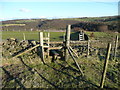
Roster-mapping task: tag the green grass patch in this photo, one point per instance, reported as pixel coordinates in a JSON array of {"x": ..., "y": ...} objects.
[
  {"x": 31, "y": 35},
  {"x": 13, "y": 25},
  {"x": 54, "y": 36}
]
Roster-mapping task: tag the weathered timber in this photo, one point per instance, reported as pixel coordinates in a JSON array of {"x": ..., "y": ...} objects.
[
  {"x": 78, "y": 42},
  {"x": 72, "y": 42},
  {"x": 54, "y": 48},
  {"x": 46, "y": 38},
  {"x": 41, "y": 46},
  {"x": 105, "y": 65},
  {"x": 48, "y": 43},
  {"x": 75, "y": 61},
  {"x": 67, "y": 41},
  {"x": 88, "y": 47},
  {"x": 19, "y": 54},
  {"x": 73, "y": 51},
  {"x": 64, "y": 37},
  {"x": 60, "y": 42}
]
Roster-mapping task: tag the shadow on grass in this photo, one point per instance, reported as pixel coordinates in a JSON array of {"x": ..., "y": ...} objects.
[
  {"x": 11, "y": 77},
  {"x": 32, "y": 72},
  {"x": 78, "y": 78}
]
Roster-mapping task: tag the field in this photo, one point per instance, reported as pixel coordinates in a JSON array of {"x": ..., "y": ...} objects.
[
  {"x": 54, "y": 36},
  {"x": 27, "y": 71}
]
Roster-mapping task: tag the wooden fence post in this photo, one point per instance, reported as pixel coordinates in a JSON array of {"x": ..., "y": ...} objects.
[
  {"x": 67, "y": 41},
  {"x": 48, "y": 44},
  {"x": 41, "y": 46},
  {"x": 105, "y": 65},
  {"x": 88, "y": 47},
  {"x": 24, "y": 36},
  {"x": 116, "y": 45},
  {"x": 63, "y": 37}
]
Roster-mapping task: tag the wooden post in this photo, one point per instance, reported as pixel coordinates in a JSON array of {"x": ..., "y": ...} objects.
[
  {"x": 41, "y": 46},
  {"x": 83, "y": 35},
  {"x": 88, "y": 47},
  {"x": 67, "y": 41},
  {"x": 73, "y": 51},
  {"x": 48, "y": 38},
  {"x": 23, "y": 36},
  {"x": 105, "y": 65},
  {"x": 75, "y": 61},
  {"x": 48, "y": 43},
  {"x": 116, "y": 45},
  {"x": 64, "y": 38}
]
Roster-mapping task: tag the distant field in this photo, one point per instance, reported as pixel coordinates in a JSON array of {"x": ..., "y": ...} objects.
[
  {"x": 31, "y": 35},
  {"x": 54, "y": 36},
  {"x": 13, "y": 25}
]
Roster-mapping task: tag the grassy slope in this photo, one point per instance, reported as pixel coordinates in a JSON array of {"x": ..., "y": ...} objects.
[
  {"x": 54, "y": 36},
  {"x": 30, "y": 35},
  {"x": 31, "y": 73},
  {"x": 54, "y": 24},
  {"x": 60, "y": 74}
]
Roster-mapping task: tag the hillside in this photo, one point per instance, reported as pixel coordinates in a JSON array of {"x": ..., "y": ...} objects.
[
  {"x": 60, "y": 24},
  {"x": 28, "y": 71}
]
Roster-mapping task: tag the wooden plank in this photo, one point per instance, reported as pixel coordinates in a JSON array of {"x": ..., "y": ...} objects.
[
  {"x": 46, "y": 38},
  {"x": 73, "y": 51},
  {"x": 56, "y": 42},
  {"x": 78, "y": 42},
  {"x": 64, "y": 37},
  {"x": 75, "y": 62},
  {"x": 72, "y": 42},
  {"x": 54, "y": 48},
  {"x": 105, "y": 65},
  {"x": 19, "y": 54}
]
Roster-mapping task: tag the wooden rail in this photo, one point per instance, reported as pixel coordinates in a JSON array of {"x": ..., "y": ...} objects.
[{"x": 19, "y": 54}]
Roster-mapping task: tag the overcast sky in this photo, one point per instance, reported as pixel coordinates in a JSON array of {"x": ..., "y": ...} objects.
[{"x": 21, "y": 9}]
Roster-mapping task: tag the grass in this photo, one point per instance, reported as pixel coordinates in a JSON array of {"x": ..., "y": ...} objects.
[
  {"x": 23, "y": 21},
  {"x": 86, "y": 19},
  {"x": 33, "y": 74},
  {"x": 54, "y": 36},
  {"x": 60, "y": 74},
  {"x": 103, "y": 37},
  {"x": 30, "y": 35},
  {"x": 13, "y": 25}
]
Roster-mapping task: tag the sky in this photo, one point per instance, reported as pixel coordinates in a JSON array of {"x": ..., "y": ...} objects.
[{"x": 11, "y": 9}]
